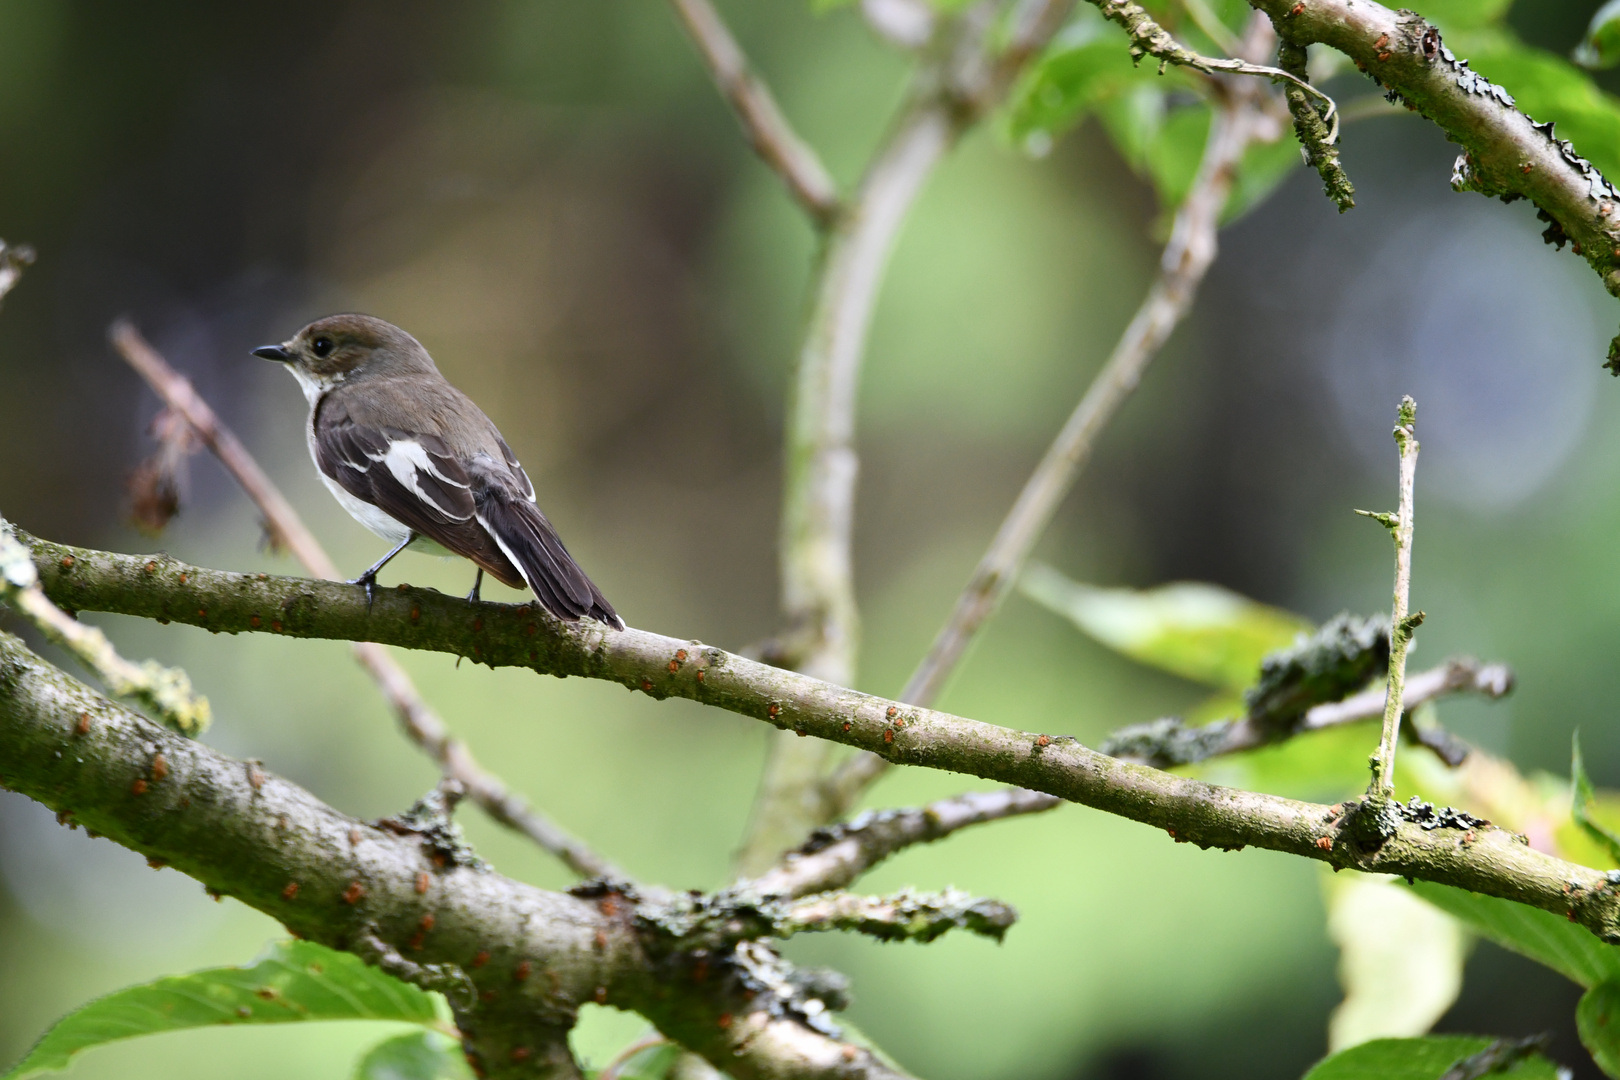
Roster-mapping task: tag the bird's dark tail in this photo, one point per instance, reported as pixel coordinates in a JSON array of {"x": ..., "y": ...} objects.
[{"x": 533, "y": 546}]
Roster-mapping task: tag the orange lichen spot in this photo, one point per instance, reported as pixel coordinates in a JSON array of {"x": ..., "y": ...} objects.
[
  {"x": 850, "y": 1053},
  {"x": 423, "y": 880},
  {"x": 255, "y": 775},
  {"x": 481, "y": 959},
  {"x": 290, "y": 891},
  {"x": 182, "y": 579},
  {"x": 67, "y": 562},
  {"x": 600, "y": 940},
  {"x": 353, "y": 893},
  {"x": 888, "y": 736},
  {"x": 700, "y": 674},
  {"x": 609, "y": 906},
  {"x": 1383, "y": 39},
  {"x": 160, "y": 767},
  {"x": 83, "y": 726},
  {"x": 416, "y": 612},
  {"x": 426, "y": 923},
  {"x": 772, "y": 711},
  {"x": 275, "y": 624},
  {"x": 253, "y": 621},
  {"x": 1297, "y": 8},
  {"x": 1044, "y": 740},
  {"x": 520, "y": 1053},
  {"x": 674, "y": 665},
  {"x": 848, "y": 725},
  {"x": 521, "y": 972},
  {"x": 893, "y": 711},
  {"x": 725, "y": 1020},
  {"x": 354, "y": 837},
  {"x": 646, "y": 684},
  {"x": 151, "y": 567},
  {"x": 202, "y": 613},
  {"x": 138, "y": 787},
  {"x": 1325, "y": 843},
  {"x": 680, "y": 654},
  {"x": 1383, "y": 57}
]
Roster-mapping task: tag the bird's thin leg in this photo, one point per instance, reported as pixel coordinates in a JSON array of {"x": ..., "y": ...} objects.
[
  {"x": 478, "y": 583},
  {"x": 369, "y": 578}
]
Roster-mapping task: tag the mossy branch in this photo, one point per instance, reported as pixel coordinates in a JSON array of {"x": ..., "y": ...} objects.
[{"x": 1485, "y": 859}]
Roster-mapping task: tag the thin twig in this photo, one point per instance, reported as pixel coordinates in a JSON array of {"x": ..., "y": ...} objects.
[
  {"x": 834, "y": 857},
  {"x": 1400, "y": 526},
  {"x": 1242, "y": 118},
  {"x": 768, "y": 131},
  {"x": 420, "y": 723}
]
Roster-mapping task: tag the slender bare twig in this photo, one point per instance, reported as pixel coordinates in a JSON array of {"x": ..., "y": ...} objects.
[
  {"x": 948, "y": 93},
  {"x": 1244, "y": 116},
  {"x": 420, "y": 723},
  {"x": 1400, "y": 526},
  {"x": 833, "y": 857},
  {"x": 164, "y": 690},
  {"x": 768, "y": 131}
]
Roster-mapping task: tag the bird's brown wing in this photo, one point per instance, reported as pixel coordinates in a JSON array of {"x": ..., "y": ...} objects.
[{"x": 413, "y": 477}]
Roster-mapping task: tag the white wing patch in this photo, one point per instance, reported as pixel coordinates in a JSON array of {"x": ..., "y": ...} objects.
[{"x": 405, "y": 458}]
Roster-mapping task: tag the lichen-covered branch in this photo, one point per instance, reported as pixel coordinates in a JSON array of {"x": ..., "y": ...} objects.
[
  {"x": 417, "y": 719},
  {"x": 1311, "y": 127},
  {"x": 1483, "y": 858},
  {"x": 1170, "y": 742},
  {"x": 768, "y": 131},
  {"x": 1505, "y": 152},
  {"x": 836, "y": 855},
  {"x": 394, "y": 894},
  {"x": 1241, "y": 119},
  {"x": 951, "y": 90},
  {"x": 164, "y": 690}
]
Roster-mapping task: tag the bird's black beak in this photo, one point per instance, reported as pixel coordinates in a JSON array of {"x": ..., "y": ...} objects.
[{"x": 273, "y": 352}]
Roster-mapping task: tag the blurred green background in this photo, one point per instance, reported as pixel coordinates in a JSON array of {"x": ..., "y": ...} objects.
[{"x": 553, "y": 198}]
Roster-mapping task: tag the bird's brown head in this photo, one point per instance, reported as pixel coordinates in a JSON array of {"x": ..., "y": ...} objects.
[{"x": 331, "y": 350}]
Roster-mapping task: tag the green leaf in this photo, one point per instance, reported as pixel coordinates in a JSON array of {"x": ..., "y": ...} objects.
[
  {"x": 1087, "y": 62},
  {"x": 1597, "y": 1018},
  {"x": 415, "y": 1055},
  {"x": 1583, "y": 798},
  {"x": 1568, "y": 948},
  {"x": 650, "y": 1063},
  {"x": 1428, "y": 1058},
  {"x": 1400, "y": 960},
  {"x": 1600, "y": 48},
  {"x": 293, "y": 981},
  {"x": 1456, "y": 15},
  {"x": 1201, "y": 632}
]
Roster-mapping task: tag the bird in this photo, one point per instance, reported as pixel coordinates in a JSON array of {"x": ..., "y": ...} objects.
[{"x": 411, "y": 458}]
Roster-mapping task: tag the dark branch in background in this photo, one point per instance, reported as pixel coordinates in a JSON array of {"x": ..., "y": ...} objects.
[
  {"x": 419, "y": 722},
  {"x": 1241, "y": 119},
  {"x": 962, "y": 77},
  {"x": 399, "y": 899},
  {"x": 1311, "y": 127},
  {"x": 1481, "y": 857},
  {"x": 768, "y": 131},
  {"x": 1505, "y": 153}
]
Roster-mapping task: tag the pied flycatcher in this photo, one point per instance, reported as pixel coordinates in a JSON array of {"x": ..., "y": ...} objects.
[{"x": 411, "y": 458}]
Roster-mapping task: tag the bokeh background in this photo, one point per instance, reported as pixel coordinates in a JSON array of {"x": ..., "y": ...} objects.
[{"x": 553, "y": 198}]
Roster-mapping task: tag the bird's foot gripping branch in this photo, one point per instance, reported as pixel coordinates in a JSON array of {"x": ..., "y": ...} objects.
[{"x": 1483, "y": 858}]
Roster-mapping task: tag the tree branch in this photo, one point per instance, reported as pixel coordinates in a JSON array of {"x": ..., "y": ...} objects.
[
  {"x": 1242, "y": 118},
  {"x": 835, "y": 856},
  {"x": 419, "y": 722},
  {"x": 1484, "y": 859},
  {"x": 768, "y": 131},
  {"x": 531, "y": 956},
  {"x": 1505, "y": 152},
  {"x": 948, "y": 94}
]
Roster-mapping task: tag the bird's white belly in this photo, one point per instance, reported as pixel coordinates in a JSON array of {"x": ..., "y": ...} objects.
[{"x": 374, "y": 519}]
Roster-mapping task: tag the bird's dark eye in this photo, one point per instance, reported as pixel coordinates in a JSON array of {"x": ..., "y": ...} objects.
[{"x": 322, "y": 346}]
